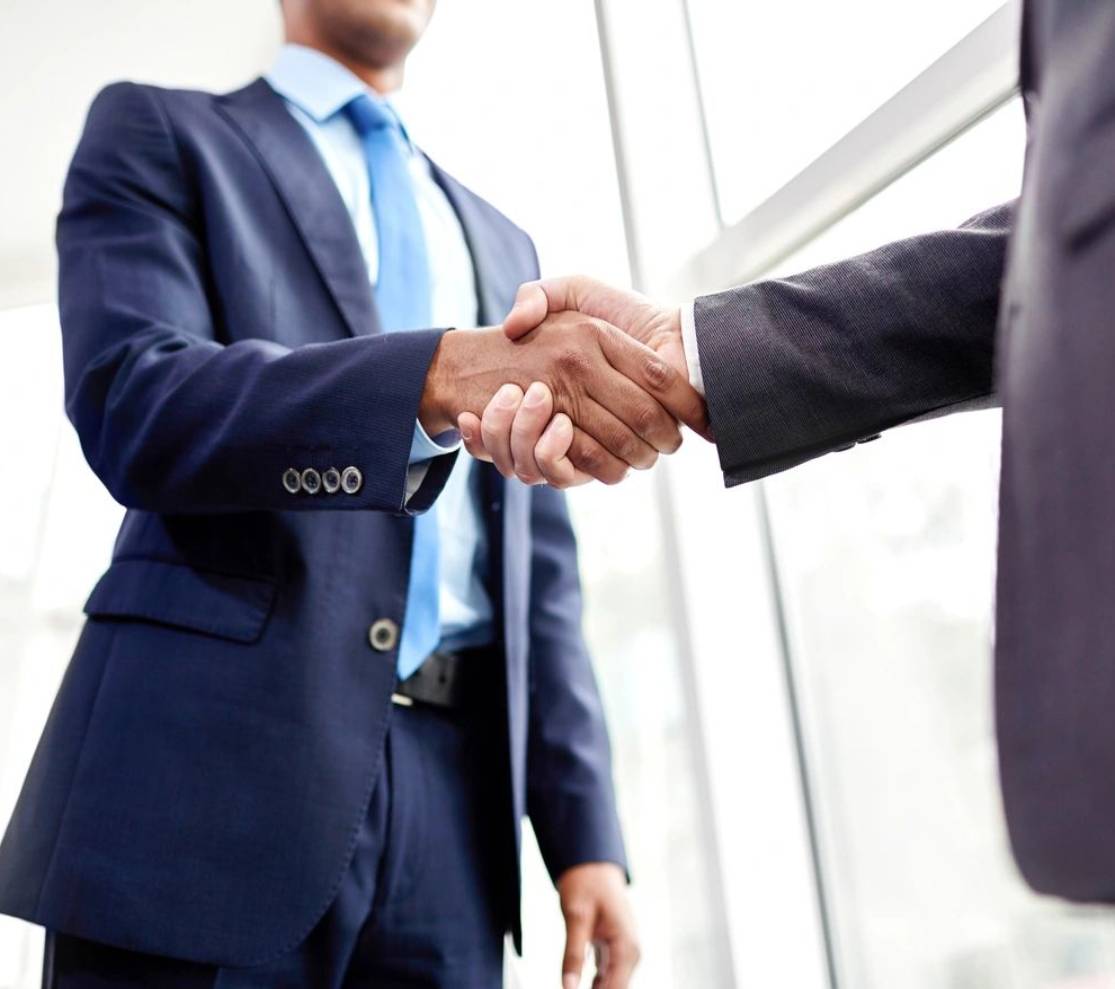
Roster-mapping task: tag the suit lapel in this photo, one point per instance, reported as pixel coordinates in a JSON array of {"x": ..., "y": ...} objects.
[{"x": 310, "y": 196}]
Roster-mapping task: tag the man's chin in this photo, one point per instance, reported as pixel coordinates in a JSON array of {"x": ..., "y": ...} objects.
[{"x": 387, "y": 41}]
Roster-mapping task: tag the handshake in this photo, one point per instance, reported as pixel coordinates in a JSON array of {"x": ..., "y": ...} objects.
[{"x": 582, "y": 381}]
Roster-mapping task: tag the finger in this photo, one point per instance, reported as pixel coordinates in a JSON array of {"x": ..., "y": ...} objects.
[
  {"x": 536, "y": 300},
  {"x": 612, "y": 432},
  {"x": 468, "y": 425},
  {"x": 589, "y": 457},
  {"x": 641, "y": 413},
  {"x": 578, "y": 930},
  {"x": 551, "y": 454},
  {"x": 526, "y": 431},
  {"x": 600, "y": 957},
  {"x": 618, "y": 957},
  {"x": 495, "y": 427},
  {"x": 530, "y": 308},
  {"x": 656, "y": 376}
]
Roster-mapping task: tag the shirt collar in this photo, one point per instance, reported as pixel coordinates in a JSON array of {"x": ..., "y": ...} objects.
[{"x": 318, "y": 85}]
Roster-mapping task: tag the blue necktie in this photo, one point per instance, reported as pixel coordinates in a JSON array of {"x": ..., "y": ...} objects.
[{"x": 403, "y": 300}]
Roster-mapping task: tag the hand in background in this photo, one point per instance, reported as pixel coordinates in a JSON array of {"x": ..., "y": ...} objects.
[
  {"x": 522, "y": 436},
  {"x": 596, "y": 910}
]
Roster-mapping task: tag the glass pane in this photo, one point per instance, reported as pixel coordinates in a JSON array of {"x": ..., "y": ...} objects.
[
  {"x": 55, "y": 538},
  {"x": 784, "y": 81},
  {"x": 887, "y": 560}
]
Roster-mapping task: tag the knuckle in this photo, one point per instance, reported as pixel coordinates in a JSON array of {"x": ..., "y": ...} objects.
[
  {"x": 624, "y": 445},
  {"x": 572, "y": 362},
  {"x": 657, "y": 373},
  {"x": 589, "y": 458},
  {"x": 492, "y": 437},
  {"x": 647, "y": 419},
  {"x": 588, "y": 326}
]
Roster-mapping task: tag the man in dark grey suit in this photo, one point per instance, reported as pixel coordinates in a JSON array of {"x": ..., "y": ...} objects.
[{"x": 1015, "y": 308}]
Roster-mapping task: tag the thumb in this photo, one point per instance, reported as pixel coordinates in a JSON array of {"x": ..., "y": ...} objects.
[
  {"x": 578, "y": 931},
  {"x": 530, "y": 308}
]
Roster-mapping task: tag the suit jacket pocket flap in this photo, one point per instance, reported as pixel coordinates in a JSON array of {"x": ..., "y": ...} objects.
[{"x": 174, "y": 594}]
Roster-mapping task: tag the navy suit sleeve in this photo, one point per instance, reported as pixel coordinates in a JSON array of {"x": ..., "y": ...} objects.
[
  {"x": 171, "y": 419},
  {"x": 796, "y": 367},
  {"x": 570, "y": 796}
]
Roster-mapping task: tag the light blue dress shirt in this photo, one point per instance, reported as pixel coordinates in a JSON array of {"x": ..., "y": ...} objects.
[{"x": 315, "y": 88}]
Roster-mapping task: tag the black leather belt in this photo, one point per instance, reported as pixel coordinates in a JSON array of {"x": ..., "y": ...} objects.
[{"x": 444, "y": 680}]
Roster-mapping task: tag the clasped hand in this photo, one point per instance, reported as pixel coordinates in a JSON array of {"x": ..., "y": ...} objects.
[{"x": 593, "y": 383}]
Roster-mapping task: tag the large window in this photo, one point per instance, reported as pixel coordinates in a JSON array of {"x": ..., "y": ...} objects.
[
  {"x": 839, "y": 616},
  {"x": 886, "y": 560},
  {"x": 784, "y": 81}
]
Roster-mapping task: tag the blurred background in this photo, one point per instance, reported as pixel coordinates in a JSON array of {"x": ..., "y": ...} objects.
[{"x": 797, "y": 672}]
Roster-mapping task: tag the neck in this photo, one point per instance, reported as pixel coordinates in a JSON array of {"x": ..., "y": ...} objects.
[{"x": 383, "y": 79}]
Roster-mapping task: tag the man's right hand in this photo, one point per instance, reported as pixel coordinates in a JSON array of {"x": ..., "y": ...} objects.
[
  {"x": 622, "y": 401},
  {"x": 521, "y": 434}
]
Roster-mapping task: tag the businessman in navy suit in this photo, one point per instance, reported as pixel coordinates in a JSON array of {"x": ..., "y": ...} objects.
[{"x": 332, "y": 665}]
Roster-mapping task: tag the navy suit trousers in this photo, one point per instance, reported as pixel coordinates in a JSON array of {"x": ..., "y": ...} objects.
[{"x": 423, "y": 901}]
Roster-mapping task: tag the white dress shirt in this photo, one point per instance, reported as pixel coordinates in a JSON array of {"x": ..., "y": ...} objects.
[
  {"x": 689, "y": 345},
  {"x": 315, "y": 88}
]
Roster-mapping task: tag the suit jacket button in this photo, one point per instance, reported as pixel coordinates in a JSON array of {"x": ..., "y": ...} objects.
[
  {"x": 331, "y": 480},
  {"x": 311, "y": 481},
  {"x": 292, "y": 480},
  {"x": 383, "y": 635},
  {"x": 351, "y": 480}
]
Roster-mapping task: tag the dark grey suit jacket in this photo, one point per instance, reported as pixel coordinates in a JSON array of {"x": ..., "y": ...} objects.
[{"x": 1016, "y": 306}]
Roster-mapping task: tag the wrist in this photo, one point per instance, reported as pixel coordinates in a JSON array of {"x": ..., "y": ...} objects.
[
  {"x": 590, "y": 871},
  {"x": 453, "y": 377},
  {"x": 435, "y": 406}
]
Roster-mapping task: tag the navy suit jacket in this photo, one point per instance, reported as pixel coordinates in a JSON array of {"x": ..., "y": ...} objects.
[
  {"x": 199, "y": 783},
  {"x": 1014, "y": 307}
]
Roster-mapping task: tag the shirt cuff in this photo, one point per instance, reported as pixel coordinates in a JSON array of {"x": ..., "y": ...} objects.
[
  {"x": 422, "y": 448},
  {"x": 689, "y": 345}
]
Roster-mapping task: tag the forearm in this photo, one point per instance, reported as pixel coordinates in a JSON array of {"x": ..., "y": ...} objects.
[
  {"x": 570, "y": 798},
  {"x": 177, "y": 424},
  {"x": 793, "y": 368}
]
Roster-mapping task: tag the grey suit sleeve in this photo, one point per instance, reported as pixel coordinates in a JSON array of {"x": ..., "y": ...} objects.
[{"x": 797, "y": 367}]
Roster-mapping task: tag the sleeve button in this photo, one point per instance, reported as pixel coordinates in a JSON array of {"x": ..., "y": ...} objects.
[
  {"x": 351, "y": 480},
  {"x": 311, "y": 481},
  {"x": 292, "y": 480},
  {"x": 331, "y": 480}
]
